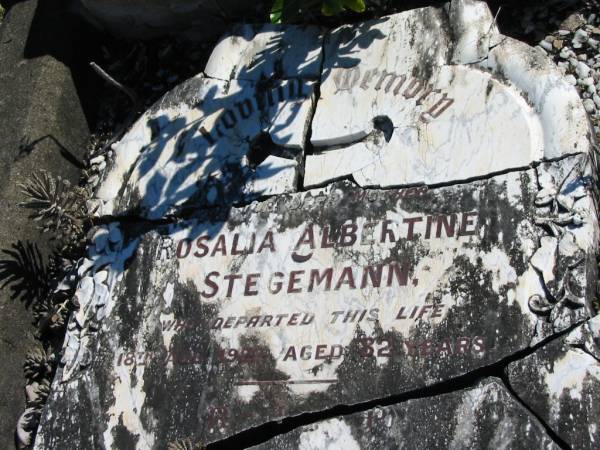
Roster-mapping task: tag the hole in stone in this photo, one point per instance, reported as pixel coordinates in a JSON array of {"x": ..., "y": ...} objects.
[
  {"x": 385, "y": 125},
  {"x": 260, "y": 148}
]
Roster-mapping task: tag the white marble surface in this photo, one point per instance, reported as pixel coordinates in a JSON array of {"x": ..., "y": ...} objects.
[
  {"x": 254, "y": 52},
  {"x": 469, "y": 139},
  {"x": 180, "y": 149},
  {"x": 464, "y": 102}
]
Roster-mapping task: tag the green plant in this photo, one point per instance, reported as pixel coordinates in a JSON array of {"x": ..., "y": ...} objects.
[
  {"x": 1, "y": 13},
  {"x": 289, "y": 11}
]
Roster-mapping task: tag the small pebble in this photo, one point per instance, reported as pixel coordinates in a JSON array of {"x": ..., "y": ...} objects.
[
  {"x": 581, "y": 36},
  {"x": 596, "y": 99},
  {"x": 589, "y": 105},
  {"x": 582, "y": 70},
  {"x": 96, "y": 160},
  {"x": 582, "y": 57},
  {"x": 546, "y": 45},
  {"x": 558, "y": 44},
  {"x": 571, "y": 79},
  {"x": 564, "y": 32},
  {"x": 589, "y": 81},
  {"x": 93, "y": 180}
]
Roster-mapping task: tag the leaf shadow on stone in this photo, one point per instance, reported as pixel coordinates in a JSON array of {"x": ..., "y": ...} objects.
[
  {"x": 174, "y": 403},
  {"x": 249, "y": 125},
  {"x": 25, "y": 272}
]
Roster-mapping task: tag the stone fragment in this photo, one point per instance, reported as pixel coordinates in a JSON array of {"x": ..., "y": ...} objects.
[
  {"x": 560, "y": 382},
  {"x": 337, "y": 295},
  {"x": 558, "y": 44},
  {"x": 546, "y": 45},
  {"x": 209, "y": 134},
  {"x": 437, "y": 88},
  {"x": 485, "y": 416},
  {"x": 582, "y": 70},
  {"x": 544, "y": 260},
  {"x": 589, "y": 105},
  {"x": 225, "y": 315},
  {"x": 253, "y": 53}
]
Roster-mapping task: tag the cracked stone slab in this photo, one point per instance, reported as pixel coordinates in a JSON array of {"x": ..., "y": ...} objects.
[
  {"x": 302, "y": 302},
  {"x": 194, "y": 147},
  {"x": 485, "y": 416},
  {"x": 438, "y": 95},
  {"x": 231, "y": 138},
  {"x": 560, "y": 382}
]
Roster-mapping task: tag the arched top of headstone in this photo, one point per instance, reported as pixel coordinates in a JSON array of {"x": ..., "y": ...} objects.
[{"x": 426, "y": 97}]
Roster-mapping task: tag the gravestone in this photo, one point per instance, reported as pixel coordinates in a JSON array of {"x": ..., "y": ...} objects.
[
  {"x": 334, "y": 218},
  {"x": 484, "y": 416}
]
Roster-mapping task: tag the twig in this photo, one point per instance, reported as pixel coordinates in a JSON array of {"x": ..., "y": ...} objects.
[{"x": 129, "y": 92}]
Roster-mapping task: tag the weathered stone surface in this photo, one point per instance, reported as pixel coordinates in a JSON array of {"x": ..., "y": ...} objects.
[
  {"x": 43, "y": 127},
  {"x": 438, "y": 97},
  {"x": 243, "y": 313},
  {"x": 231, "y": 138},
  {"x": 300, "y": 303},
  {"x": 186, "y": 152},
  {"x": 485, "y": 416},
  {"x": 561, "y": 383}
]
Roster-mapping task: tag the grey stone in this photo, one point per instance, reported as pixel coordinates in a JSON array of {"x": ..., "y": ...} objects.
[
  {"x": 589, "y": 105},
  {"x": 571, "y": 80},
  {"x": 573, "y": 22},
  {"x": 582, "y": 69},
  {"x": 581, "y": 36},
  {"x": 197, "y": 19},
  {"x": 561, "y": 383},
  {"x": 43, "y": 127},
  {"x": 546, "y": 45},
  {"x": 485, "y": 416}
]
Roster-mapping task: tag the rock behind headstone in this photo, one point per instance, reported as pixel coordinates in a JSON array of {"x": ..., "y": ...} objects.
[
  {"x": 43, "y": 127},
  {"x": 143, "y": 19}
]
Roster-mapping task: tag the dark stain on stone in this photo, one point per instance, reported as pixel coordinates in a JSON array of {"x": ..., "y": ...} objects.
[{"x": 122, "y": 437}]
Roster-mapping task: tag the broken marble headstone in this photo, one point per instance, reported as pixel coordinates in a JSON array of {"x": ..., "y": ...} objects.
[
  {"x": 561, "y": 384},
  {"x": 463, "y": 233},
  {"x": 485, "y": 416}
]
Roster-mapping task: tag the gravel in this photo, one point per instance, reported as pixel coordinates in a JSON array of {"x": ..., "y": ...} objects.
[{"x": 574, "y": 48}]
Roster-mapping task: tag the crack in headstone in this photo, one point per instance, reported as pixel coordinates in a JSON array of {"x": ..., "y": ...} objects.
[
  {"x": 193, "y": 212},
  {"x": 549, "y": 430},
  {"x": 263, "y": 433}
]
